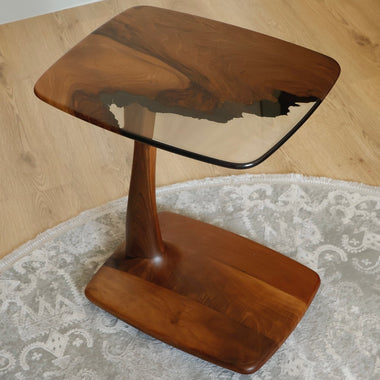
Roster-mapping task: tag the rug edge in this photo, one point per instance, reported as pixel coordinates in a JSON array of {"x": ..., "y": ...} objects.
[{"x": 95, "y": 212}]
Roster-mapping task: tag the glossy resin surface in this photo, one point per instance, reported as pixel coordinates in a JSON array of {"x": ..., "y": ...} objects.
[{"x": 221, "y": 93}]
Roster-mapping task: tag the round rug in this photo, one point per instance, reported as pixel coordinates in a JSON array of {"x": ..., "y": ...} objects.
[{"x": 49, "y": 330}]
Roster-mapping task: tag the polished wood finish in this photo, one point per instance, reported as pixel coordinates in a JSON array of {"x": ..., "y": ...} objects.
[
  {"x": 51, "y": 163},
  {"x": 172, "y": 62},
  {"x": 197, "y": 287},
  {"x": 143, "y": 233},
  {"x": 205, "y": 277},
  {"x": 212, "y": 293}
]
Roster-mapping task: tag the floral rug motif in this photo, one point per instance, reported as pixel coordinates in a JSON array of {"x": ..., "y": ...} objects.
[{"x": 49, "y": 330}]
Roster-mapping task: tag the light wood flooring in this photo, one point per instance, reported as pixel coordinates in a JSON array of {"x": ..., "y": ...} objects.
[{"x": 53, "y": 166}]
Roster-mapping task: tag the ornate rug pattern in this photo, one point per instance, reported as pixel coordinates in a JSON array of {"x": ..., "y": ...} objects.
[{"x": 49, "y": 330}]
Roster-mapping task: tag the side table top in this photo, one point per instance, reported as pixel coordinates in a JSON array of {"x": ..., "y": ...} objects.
[{"x": 221, "y": 93}]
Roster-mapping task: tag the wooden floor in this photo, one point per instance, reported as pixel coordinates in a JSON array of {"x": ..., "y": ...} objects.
[{"x": 53, "y": 166}]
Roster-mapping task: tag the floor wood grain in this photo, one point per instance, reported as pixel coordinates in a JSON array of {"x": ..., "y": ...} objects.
[{"x": 53, "y": 166}]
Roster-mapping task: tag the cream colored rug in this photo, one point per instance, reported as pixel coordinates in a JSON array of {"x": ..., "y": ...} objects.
[{"x": 48, "y": 329}]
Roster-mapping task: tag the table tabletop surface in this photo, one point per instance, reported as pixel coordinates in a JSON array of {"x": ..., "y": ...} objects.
[{"x": 220, "y": 93}]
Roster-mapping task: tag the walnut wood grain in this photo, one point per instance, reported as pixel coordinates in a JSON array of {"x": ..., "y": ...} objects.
[
  {"x": 142, "y": 230},
  {"x": 202, "y": 289},
  {"x": 197, "y": 287},
  {"x": 171, "y": 62},
  {"x": 143, "y": 233},
  {"x": 212, "y": 293}
]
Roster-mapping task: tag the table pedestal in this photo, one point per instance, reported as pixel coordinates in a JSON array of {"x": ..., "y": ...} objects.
[
  {"x": 204, "y": 290},
  {"x": 197, "y": 287}
]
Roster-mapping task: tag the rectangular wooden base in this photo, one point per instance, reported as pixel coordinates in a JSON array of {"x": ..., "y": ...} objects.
[{"x": 212, "y": 293}]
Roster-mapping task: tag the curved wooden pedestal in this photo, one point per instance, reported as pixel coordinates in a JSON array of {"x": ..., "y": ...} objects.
[
  {"x": 204, "y": 290},
  {"x": 213, "y": 294},
  {"x": 197, "y": 287}
]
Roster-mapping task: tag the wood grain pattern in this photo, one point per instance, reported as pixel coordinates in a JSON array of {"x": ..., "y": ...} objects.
[
  {"x": 143, "y": 233},
  {"x": 212, "y": 293},
  {"x": 204, "y": 290},
  {"x": 172, "y": 62}
]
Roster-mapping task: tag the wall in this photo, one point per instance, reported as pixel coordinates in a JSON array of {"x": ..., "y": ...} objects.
[{"x": 12, "y": 10}]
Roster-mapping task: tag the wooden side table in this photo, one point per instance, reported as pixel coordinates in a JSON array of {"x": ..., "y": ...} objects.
[{"x": 213, "y": 92}]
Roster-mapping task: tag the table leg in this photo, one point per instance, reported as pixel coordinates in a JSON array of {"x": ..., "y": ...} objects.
[
  {"x": 202, "y": 289},
  {"x": 143, "y": 235}
]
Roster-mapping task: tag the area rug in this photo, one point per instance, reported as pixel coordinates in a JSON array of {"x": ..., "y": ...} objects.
[{"x": 48, "y": 329}]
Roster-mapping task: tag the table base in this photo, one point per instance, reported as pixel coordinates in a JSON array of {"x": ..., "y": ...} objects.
[{"x": 212, "y": 293}]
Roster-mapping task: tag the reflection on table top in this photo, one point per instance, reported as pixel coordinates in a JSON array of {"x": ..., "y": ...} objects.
[{"x": 220, "y": 93}]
